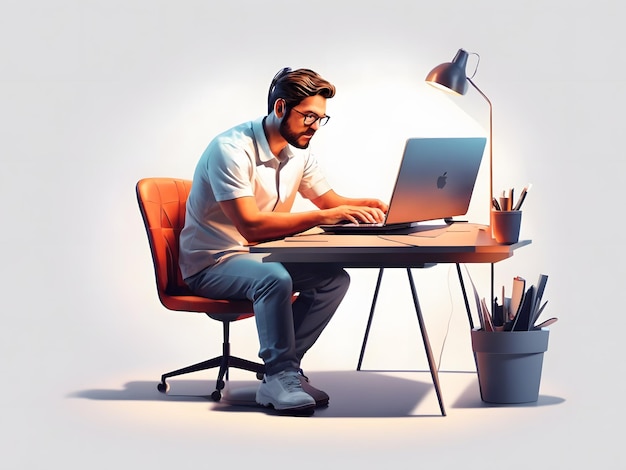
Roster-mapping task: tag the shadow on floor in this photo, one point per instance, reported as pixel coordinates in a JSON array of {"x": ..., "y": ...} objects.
[
  {"x": 353, "y": 394},
  {"x": 470, "y": 398}
]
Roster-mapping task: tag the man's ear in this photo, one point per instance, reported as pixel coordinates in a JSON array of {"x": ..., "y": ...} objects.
[{"x": 280, "y": 107}]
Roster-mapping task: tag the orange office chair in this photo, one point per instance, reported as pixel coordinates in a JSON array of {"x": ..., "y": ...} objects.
[{"x": 162, "y": 204}]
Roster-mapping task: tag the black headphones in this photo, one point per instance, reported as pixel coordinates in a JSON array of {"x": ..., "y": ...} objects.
[{"x": 281, "y": 73}]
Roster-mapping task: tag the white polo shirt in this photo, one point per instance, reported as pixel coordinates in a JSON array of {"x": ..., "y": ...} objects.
[{"x": 235, "y": 164}]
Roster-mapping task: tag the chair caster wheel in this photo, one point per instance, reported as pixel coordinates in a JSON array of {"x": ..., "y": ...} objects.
[
  {"x": 220, "y": 385},
  {"x": 260, "y": 375},
  {"x": 163, "y": 387},
  {"x": 216, "y": 395}
]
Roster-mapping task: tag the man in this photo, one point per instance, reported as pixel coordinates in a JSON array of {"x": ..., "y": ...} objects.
[{"x": 243, "y": 190}]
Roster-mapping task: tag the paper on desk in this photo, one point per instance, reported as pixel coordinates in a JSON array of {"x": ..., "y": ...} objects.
[
  {"x": 313, "y": 237},
  {"x": 430, "y": 231},
  {"x": 461, "y": 227}
]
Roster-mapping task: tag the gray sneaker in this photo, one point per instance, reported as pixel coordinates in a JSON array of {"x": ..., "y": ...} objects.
[{"x": 283, "y": 391}]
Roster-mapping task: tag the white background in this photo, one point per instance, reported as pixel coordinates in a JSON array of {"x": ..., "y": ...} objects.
[{"x": 96, "y": 94}]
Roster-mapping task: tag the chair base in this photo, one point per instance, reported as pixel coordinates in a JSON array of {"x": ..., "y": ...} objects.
[{"x": 223, "y": 362}]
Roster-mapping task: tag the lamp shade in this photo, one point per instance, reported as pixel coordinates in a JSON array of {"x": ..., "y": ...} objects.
[{"x": 451, "y": 75}]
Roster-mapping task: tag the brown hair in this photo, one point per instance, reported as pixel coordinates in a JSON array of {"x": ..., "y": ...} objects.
[{"x": 295, "y": 85}]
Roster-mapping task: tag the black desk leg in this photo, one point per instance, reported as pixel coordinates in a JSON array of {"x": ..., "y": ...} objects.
[
  {"x": 431, "y": 362},
  {"x": 429, "y": 353},
  {"x": 369, "y": 320},
  {"x": 467, "y": 306}
]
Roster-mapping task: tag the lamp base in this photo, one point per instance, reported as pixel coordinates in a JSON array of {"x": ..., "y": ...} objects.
[{"x": 450, "y": 221}]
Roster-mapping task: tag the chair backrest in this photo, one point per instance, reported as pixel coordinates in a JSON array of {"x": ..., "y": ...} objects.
[{"x": 162, "y": 203}]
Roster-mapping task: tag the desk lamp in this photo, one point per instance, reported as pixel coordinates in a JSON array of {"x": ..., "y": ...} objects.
[{"x": 451, "y": 77}]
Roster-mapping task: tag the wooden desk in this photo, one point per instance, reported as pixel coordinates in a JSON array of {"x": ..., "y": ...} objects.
[
  {"x": 457, "y": 243},
  {"x": 427, "y": 245}
]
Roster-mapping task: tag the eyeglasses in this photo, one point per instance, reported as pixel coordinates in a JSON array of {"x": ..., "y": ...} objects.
[{"x": 311, "y": 118}]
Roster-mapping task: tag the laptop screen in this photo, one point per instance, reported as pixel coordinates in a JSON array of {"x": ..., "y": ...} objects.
[{"x": 436, "y": 178}]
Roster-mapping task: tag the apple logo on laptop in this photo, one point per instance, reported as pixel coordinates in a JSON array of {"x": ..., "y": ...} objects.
[{"x": 441, "y": 181}]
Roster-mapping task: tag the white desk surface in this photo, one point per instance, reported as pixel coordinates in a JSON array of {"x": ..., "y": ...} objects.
[{"x": 456, "y": 243}]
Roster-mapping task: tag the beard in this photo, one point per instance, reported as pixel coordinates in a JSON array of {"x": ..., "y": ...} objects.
[{"x": 292, "y": 137}]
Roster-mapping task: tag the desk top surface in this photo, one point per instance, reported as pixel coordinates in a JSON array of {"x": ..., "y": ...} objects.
[{"x": 460, "y": 242}]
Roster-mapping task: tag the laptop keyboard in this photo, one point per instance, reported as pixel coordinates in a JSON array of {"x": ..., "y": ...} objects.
[{"x": 361, "y": 224}]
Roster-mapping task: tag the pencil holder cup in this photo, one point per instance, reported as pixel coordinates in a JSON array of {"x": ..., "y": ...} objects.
[
  {"x": 509, "y": 364},
  {"x": 505, "y": 226}
]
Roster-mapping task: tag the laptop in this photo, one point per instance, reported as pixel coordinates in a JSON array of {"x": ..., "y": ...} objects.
[{"x": 435, "y": 181}]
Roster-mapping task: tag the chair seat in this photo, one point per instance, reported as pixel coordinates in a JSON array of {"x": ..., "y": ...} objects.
[{"x": 235, "y": 309}]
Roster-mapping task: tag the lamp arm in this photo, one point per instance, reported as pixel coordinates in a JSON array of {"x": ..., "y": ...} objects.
[
  {"x": 493, "y": 304},
  {"x": 490, "y": 142}
]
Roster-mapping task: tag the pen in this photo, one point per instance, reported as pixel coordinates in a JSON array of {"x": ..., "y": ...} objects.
[
  {"x": 522, "y": 196},
  {"x": 494, "y": 203},
  {"x": 545, "y": 323}
]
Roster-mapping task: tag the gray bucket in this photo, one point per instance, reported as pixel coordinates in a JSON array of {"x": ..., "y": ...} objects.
[{"x": 509, "y": 364}]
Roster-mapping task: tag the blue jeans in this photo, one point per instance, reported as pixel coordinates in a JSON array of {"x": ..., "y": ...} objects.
[{"x": 286, "y": 329}]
